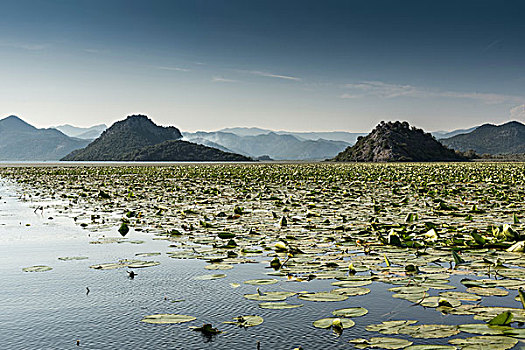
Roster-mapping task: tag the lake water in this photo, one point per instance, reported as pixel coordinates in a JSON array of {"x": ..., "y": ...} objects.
[{"x": 51, "y": 310}]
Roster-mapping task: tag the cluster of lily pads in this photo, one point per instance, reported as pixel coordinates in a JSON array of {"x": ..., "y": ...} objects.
[{"x": 411, "y": 226}]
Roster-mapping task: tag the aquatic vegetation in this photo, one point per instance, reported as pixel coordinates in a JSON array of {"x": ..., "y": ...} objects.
[{"x": 415, "y": 229}]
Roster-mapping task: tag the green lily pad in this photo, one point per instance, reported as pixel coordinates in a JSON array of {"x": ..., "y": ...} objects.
[
  {"x": 260, "y": 282},
  {"x": 328, "y": 322},
  {"x": 380, "y": 343},
  {"x": 488, "y": 292},
  {"x": 350, "y": 312},
  {"x": 209, "y": 277},
  {"x": 278, "y": 305},
  {"x": 485, "y": 342},
  {"x": 270, "y": 296},
  {"x": 431, "y": 347},
  {"x": 37, "y": 268},
  {"x": 351, "y": 291},
  {"x": 246, "y": 321},
  {"x": 69, "y": 258},
  {"x": 429, "y": 331},
  {"x": 167, "y": 318},
  {"x": 322, "y": 296},
  {"x": 389, "y": 327}
]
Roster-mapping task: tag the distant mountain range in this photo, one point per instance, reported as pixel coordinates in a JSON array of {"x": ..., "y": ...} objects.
[
  {"x": 397, "y": 142},
  {"x": 276, "y": 146},
  {"x": 508, "y": 138},
  {"x": 348, "y": 137},
  {"x": 137, "y": 138},
  {"x": 20, "y": 141},
  {"x": 446, "y": 134},
  {"x": 90, "y": 133}
]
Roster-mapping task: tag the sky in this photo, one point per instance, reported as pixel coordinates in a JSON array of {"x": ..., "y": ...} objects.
[{"x": 283, "y": 65}]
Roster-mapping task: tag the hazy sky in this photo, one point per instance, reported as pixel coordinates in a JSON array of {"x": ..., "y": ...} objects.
[{"x": 286, "y": 64}]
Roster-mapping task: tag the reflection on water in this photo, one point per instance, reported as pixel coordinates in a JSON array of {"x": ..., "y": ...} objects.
[{"x": 51, "y": 310}]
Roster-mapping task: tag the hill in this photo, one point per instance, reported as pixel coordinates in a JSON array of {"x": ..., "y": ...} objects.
[
  {"x": 20, "y": 141},
  {"x": 279, "y": 147},
  {"x": 90, "y": 133},
  {"x": 137, "y": 138},
  {"x": 397, "y": 142},
  {"x": 183, "y": 151},
  {"x": 508, "y": 138},
  {"x": 123, "y": 137}
]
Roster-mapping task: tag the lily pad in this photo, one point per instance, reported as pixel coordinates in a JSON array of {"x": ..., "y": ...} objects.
[
  {"x": 350, "y": 312},
  {"x": 37, "y": 268},
  {"x": 246, "y": 321},
  {"x": 167, "y": 318},
  {"x": 380, "y": 343},
  {"x": 328, "y": 322},
  {"x": 260, "y": 282},
  {"x": 323, "y": 296},
  {"x": 485, "y": 342},
  {"x": 209, "y": 277},
  {"x": 278, "y": 305}
]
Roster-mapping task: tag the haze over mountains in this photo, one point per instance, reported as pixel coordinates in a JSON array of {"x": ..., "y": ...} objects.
[
  {"x": 277, "y": 147},
  {"x": 20, "y": 141},
  {"x": 90, "y": 133}
]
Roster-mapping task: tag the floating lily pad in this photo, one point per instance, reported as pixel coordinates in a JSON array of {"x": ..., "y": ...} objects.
[
  {"x": 260, "y": 282},
  {"x": 37, "y": 268},
  {"x": 485, "y": 342},
  {"x": 429, "y": 331},
  {"x": 323, "y": 296},
  {"x": 269, "y": 296},
  {"x": 488, "y": 292},
  {"x": 69, "y": 258},
  {"x": 278, "y": 305},
  {"x": 246, "y": 321},
  {"x": 328, "y": 322},
  {"x": 389, "y": 327},
  {"x": 350, "y": 312},
  {"x": 380, "y": 343},
  {"x": 209, "y": 277},
  {"x": 167, "y": 318},
  {"x": 351, "y": 291}
]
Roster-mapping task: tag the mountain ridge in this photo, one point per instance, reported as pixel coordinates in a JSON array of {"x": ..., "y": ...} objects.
[
  {"x": 507, "y": 138},
  {"x": 397, "y": 142},
  {"x": 21, "y": 141}
]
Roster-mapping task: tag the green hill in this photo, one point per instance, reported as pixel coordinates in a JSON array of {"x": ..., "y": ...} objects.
[
  {"x": 137, "y": 138},
  {"x": 508, "y": 138},
  {"x": 183, "y": 151},
  {"x": 397, "y": 142},
  {"x": 124, "y": 137}
]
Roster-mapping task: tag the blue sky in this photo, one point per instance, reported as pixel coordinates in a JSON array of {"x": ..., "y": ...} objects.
[{"x": 295, "y": 65}]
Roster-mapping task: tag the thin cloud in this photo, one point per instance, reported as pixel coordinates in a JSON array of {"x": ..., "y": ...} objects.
[
  {"x": 176, "y": 69},
  {"x": 223, "y": 80},
  {"x": 271, "y": 75},
  {"x": 387, "y": 90},
  {"x": 25, "y": 46},
  {"x": 518, "y": 112}
]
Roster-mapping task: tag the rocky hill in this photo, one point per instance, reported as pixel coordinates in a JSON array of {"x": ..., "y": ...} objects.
[
  {"x": 20, "y": 141},
  {"x": 397, "y": 142},
  {"x": 508, "y": 138},
  {"x": 137, "y": 138}
]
